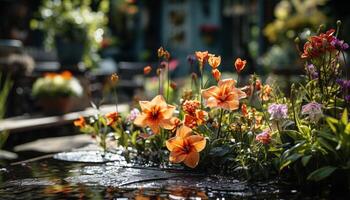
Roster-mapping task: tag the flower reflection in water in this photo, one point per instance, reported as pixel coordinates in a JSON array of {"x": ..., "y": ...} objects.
[{"x": 179, "y": 193}]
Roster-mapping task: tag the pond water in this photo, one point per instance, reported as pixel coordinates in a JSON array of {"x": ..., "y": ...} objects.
[{"x": 54, "y": 178}]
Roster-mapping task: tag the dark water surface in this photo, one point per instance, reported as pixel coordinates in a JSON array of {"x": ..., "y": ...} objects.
[{"x": 50, "y": 178}]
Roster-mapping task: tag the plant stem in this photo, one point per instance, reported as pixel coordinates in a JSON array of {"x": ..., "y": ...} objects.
[
  {"x": 159, "y": 82},
  {"x": 220, "y": 120},
  {"x": 116, "y": 99},
  {"x": 168, "y": 72},
  {"x": 201, "y": 83}
]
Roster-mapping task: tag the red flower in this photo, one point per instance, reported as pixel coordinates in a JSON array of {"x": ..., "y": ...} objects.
[
  {"x": 244, "y": 110},
  {"x": 111, "y": 118},
  {"x": 240, "y": 64},
  {"x": 147, "y": 70},
  {"x": 317, "y": 45},
  {"x": 216, "y": 74},
  {"x": 80, "y": 122}
]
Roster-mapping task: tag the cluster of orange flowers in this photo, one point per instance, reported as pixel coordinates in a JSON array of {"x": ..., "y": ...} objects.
[
  {"x": 67, "y": 75},
  {"x": 194, "y": 116},
  {"x": 111, "y": 117},
  {"x": 157, "y": 114},
  {"x": 215, "y": 61}
]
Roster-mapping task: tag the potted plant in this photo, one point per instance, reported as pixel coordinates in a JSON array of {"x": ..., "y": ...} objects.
[
  {"x": 73, "y": 28},
  {"x": 55, "y": 92}
]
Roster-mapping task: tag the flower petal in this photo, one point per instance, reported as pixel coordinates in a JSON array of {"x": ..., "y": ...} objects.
[
  {"x": 145, "y": 105},
  {"x": 166, "y": 124},
  {"x": 227, "y": 83},
  {"x": 159, "y": 101},
  {"x": 233, "y": 105},
  {"x": 240, "y": 93},
  {"x": 174, "y": 142},
  {"x": 183, "y": 132},
  {"x": 140, "y": 120},
  {"x": 213, "y": 91},
  {"x": 167, "y": 111},
  {"x": 198, "y": 142},
  {"x": 154, "y": 127},
  {"x": 212, "y": 102},
  {"x": 177, "y": 156},
  {"x": 192, "y": 159}
]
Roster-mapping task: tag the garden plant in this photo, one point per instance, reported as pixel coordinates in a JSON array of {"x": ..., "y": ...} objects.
[{"x": 247, "y": 129}]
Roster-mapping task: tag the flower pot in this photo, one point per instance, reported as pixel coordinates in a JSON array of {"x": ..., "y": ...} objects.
[
  {"x": 69, "y": 52},
  {"x": 56, "y": 105}
]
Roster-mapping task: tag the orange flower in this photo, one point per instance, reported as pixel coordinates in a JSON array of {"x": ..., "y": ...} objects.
[
  {"x": 177, "y": 122},
  {"x": 114, "y": 77},
  {"x": 160, "y": 52},
  {"x": 185, "y": 147},
  {"x": 50, "y": 75},
  {"x": 80, "y": 122},
  {"x": 266, "y": 93},
  {"x": 155, "y": 114},
  {"x": 190, "y": 106},
  {"x": 225, "y": 95},
  {"x": 147, "y": 70},
  {"x": 216, "y": 74},
  {"x": 198, "y": 118},
  {"x": 173, "y": 85},
  {"x": 111, "y": 118},
  {"x": 214, "y": 61},
  {"x": 202, "y": 56},
  {"x": 244, "y": 110},
  {"x": 66, "y": 75},
  {"x": 240, "y": 64}
]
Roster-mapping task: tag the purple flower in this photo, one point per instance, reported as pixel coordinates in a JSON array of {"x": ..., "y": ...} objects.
[
  {"x": 312, "y": 71},
  {"x": 278, "y": 111},
  {"x": 344, "y": 84},
  {"x": 191, "y": 59},
  {"x": 133, "y": 114},
  {"x": 339, "y": 44},
  {"x": 347, "y": 98},
  {"x": 314, "y": 110}
]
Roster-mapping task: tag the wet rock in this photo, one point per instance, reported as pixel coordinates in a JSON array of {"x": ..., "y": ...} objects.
[{"x": 93, "y": 156}]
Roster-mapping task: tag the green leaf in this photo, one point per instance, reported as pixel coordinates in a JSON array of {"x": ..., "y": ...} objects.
[
  {"x": 134, "y": 137},
  {"x": 344, "y": 117},
  {"x": 304, "y": 129},
  {"x": 347, "y": 129},
  {"x": 331, "y": 121},
  {"x": 219, "y": 151},
  {"x": 285, "y": 164},
  {"x": 321, "y": 173},
  {"x": 305, "y": 160},
  {"x": 325, "y": 144},
  {"x": 327, "y": 136},
  {"x": 290, "y": 159},
  {"x": 292, "y": 133}
]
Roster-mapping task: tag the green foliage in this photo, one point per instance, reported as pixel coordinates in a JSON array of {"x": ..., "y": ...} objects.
[
  {"x": 73, "y": 20},
  {"x": 5, "y": 89}
]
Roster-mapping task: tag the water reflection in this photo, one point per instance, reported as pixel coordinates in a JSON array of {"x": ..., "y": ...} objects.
[
  {"x": 180, "y": 193},
  {"x": 53, "y": 179}
]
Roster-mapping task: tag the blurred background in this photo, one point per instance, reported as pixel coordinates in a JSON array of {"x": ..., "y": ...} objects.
[{"x": 73, "y": 46}]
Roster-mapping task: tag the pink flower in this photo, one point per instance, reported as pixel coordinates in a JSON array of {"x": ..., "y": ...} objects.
[
  {"x": 278, "y": 111},
  {"x": 264, "y": 137},
  {"x": 133, "y": 114},
  {"x": 314, "y": 110}
]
